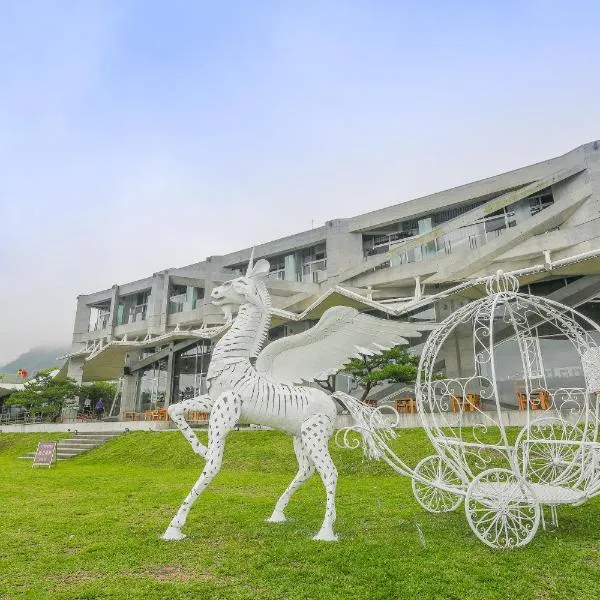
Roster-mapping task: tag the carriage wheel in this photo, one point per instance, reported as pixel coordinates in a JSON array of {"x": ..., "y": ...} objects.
[
  {"x": 502, "y": 509},
  {"x": 543, "y": 461},
  {"x": 435, "y": 497}
]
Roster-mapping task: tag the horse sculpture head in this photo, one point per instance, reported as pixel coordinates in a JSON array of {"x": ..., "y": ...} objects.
[{"x": 247, "y": 289}]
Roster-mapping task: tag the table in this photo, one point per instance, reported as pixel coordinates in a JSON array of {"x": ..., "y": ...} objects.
[
  {"x": 159, "y": 414},
  {"x": 538, "y": 400},
  {"x": 196, "y": 416},
  {"x": 406, "y": 405}
]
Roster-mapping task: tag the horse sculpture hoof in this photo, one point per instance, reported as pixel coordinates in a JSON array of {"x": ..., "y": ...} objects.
[
  {"x": 172, "y": 533},
  {"x": 277, "y": 517},
  {"x": 326, "y": 535}
]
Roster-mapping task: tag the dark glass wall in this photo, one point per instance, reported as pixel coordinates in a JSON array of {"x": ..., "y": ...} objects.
[
  {"x": 189, "y": 371},
  {"x": 152, "y": 386}
]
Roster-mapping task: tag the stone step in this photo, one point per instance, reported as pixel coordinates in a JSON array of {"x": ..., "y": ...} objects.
[
  {"x": 81, "y": 447},
  {"x": 59, "y": 455},
  {"x": 84, "y": 434},
  {"x": 97, "y": 433},
  {"x": 87, "y": 440},
  {"x": 76, "y": 445},
  {"x": 90, "y": 440}
]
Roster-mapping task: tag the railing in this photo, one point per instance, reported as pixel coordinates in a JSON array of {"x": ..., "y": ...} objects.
[
  {"x": 102, "y": 321},
  {"x": 176, "y": 303},
  {"x": 21, "y": 419},
  {"x": 137, "y": 313},
  {"x": 278, "y": 274},
  {"x": 314, "y": 271},
  {"x": 469, "y": 237}
]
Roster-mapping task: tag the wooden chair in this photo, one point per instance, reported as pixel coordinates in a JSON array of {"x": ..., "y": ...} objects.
[
  {"x": 406, "y": 405},
  {"x": 196, "y": 416},
  {"x": 543, "y": 399},
  {"x": 370, "y": 402},
  {"x": 538, "y": 400},
  {"x": 400, "y": 404},
  {"x": 457, "y": 403},
  {"x": 473, "y": 402}
]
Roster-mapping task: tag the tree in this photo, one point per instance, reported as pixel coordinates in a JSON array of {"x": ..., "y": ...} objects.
[
  {"x": 45, "y": 395},
  {"x": 99, "y": 389},
  {"x": 393, "y": 365},
  {"x": 327, "y": 384}
]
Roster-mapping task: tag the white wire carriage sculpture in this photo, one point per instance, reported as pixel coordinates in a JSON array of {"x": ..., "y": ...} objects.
[{"x": 504, "y": 481}]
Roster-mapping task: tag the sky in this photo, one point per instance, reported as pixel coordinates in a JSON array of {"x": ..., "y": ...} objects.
[{"x": 141, "y": 135}]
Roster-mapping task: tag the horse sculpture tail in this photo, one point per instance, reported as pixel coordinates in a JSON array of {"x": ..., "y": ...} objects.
[{"x": 370, "y": 423}]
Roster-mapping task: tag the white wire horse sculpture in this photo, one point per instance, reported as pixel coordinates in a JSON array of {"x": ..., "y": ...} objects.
[{"x": 265, "y": 392}]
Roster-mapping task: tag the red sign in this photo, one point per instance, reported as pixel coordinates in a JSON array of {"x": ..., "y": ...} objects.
[{"x": 45, "y": 454}]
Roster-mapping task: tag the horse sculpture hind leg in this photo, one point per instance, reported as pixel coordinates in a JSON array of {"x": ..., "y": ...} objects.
[
  {"x": 305, "y": 470},
  {"x": 315, "y": 433},
  {"x": 223, "y": 418}
]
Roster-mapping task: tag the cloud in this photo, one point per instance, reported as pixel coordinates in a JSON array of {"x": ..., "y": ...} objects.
[{"x": 136, "y": 136}]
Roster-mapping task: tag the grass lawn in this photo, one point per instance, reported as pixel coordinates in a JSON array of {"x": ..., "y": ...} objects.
[{"x": 90, "y": 527}]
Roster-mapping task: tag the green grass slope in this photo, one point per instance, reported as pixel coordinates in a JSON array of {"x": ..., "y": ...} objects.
[
  {"x": 41, "y": 357},
  {"x": 89, "y": 528}
]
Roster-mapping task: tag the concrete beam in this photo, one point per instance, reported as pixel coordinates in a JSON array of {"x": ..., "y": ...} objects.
[
  {"x": 463, "y": 220},
  {"x": 164, "y": 353},
  {"x": 551, "y": 217}
]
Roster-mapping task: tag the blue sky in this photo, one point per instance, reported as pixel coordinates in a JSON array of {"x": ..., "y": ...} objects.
[{"x": 140, "y": 135}]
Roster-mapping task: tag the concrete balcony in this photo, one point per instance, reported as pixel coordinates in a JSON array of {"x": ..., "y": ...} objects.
[
  {"x": 131, "y": 329},
  {"x": 186, "y": 317}
]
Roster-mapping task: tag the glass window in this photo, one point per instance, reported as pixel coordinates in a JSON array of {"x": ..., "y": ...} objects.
[
  {"x": 99, "y": 317},
  {"x": 177, "y": 298},
  {"x": 152, "y": 386},
  {"x": 189, "y": 371},
  {"x": 132, "y": 308}
]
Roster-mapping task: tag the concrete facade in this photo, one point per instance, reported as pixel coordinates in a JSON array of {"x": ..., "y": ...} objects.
[{"x": 543, "y": 212}]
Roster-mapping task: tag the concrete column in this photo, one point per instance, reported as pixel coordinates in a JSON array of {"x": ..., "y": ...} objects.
[
  {"x": 344, "y": 249},
  {"x": 129, "y": 388},
  {"x": 114, "y": 303},
  {"x": 457, "y": 351},
  {"x": 170, "y": 365},
  {"x": 75, "y": 369},
  {"x": 156, "y": 303},
  {"x": 212, "y": 314},
  {"x": 164, "y": 308},
  {"x": 128, "y": 394},
  {"x": 82, "y": 321}
]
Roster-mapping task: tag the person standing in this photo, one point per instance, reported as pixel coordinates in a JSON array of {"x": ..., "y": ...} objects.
[{"x": 99, "y": 408}]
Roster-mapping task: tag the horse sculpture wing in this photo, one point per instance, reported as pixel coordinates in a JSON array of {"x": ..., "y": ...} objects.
[{"x": 341, "y": 333}]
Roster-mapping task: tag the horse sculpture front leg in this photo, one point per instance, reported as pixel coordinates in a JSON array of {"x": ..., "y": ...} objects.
[
  {"x": 177, "y": 411},
  {"x": 224, "y": 416}
]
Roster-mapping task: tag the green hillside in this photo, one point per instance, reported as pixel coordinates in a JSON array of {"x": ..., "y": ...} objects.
[{"x": 41, "y": 357}]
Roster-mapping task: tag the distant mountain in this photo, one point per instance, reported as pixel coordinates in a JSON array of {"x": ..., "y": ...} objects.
[{"x": 41, "y": 357}]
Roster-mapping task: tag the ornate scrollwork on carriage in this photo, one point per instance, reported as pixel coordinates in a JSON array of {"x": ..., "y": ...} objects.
[{"x": 507, "y": 478}]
